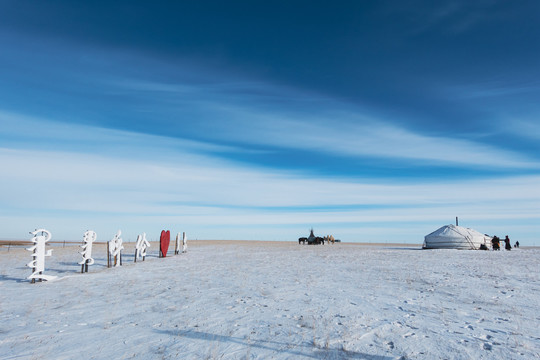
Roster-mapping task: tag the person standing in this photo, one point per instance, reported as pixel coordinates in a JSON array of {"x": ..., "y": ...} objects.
[
  {"x": 507, "y": 245},
  {"x": 495, "y": 243}
]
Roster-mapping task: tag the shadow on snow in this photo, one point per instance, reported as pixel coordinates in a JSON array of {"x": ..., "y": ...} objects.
[{"x": 276, "y": 346}]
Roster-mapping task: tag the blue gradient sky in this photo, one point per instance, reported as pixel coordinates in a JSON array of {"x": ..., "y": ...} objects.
[{"x": 370, "y": 120}]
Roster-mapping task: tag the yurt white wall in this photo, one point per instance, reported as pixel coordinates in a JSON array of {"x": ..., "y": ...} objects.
[{"x": 454, "y": 237}]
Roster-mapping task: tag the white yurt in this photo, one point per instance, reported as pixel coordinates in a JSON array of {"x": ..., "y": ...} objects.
[{"x": 455, "y": 237}]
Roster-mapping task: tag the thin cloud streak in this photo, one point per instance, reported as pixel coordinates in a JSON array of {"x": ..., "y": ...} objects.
[
  {"x": 92, "y": 185},
  {"x": 493, "y": 89},
  {"x": 526, "y": 128},
  {"x": 370, "y": 138},
  {"x": 328, "y": 127}
]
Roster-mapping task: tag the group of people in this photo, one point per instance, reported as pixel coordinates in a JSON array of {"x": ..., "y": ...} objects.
[{"x": 496, "y": 243}]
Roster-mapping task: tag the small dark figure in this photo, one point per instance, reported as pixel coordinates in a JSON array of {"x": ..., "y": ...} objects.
[
  {"x": 507, "y": 245},
  {"x": 516, "y": 244},
  {"x": 483, "y": 247},
  {"x": 495, "y": 242}
]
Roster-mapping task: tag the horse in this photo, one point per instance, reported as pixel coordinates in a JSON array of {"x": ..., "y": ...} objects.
[{"x": 302, "y": 240}]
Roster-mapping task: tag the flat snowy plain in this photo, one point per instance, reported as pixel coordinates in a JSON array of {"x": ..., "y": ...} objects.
[{"x": 260, "y": 300}]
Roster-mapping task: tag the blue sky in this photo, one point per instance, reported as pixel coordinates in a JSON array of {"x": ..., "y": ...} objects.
[{"x": 370, "y": 120}]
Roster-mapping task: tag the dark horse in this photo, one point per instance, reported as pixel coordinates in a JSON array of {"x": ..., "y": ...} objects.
[
  {"x": 302, "y": 240},
  {"x": 318, "y": 240}
]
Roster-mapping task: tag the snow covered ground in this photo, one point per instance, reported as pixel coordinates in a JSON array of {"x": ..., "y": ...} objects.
[{"x": 275, "y": 300}]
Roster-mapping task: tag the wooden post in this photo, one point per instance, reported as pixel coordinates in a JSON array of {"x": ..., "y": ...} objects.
[
  {"x": 457, "y": 221},
  {"x": 84, "y": 267},
  {"x": 33, "y": 281}
]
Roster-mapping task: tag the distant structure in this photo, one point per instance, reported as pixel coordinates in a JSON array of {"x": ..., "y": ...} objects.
[
  {"x": 311, "y": 239},
  {"x": 455, "y": 237}
]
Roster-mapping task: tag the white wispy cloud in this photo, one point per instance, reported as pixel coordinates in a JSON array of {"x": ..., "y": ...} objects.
[
  {"x": 177, "y": 184},
  {"x": 368, "y": 138},
  {"x": 315, "y": 123},
  {"x": 528, "y": 128},
  {"x": 199, "y": 101}
]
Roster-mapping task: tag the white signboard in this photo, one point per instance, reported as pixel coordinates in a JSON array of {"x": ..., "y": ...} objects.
[
  {"x": 39, "y": 253},
  {"x": 177, "y": 247},
  {"x": 115, "y": 248},
  {"x": 141, "y": 246},
  {"x": 184, "y": 243},
  {"x": 88, "y": 239}
]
